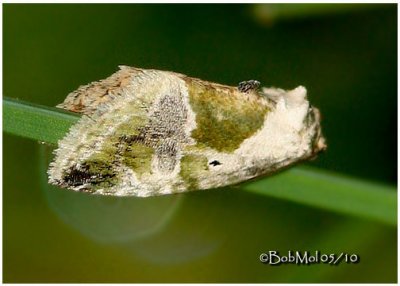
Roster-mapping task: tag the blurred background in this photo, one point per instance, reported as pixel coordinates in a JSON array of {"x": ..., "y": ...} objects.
[{"x": 346, "y": 56}]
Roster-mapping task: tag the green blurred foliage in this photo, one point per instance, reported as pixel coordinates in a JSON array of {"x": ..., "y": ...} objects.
[{"x": 347, "y": 61}]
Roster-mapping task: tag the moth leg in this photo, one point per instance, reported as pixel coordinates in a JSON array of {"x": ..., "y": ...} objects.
[{"x": 248, "y": 85}]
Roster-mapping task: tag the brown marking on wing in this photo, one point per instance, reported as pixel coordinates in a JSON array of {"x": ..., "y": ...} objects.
[{"x": 87, "y": 98}]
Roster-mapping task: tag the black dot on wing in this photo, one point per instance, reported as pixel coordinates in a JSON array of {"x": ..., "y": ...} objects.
[{"x": 215, "y": 163}]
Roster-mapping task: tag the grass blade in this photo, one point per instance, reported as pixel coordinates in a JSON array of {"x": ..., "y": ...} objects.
[
  {"x": 36, "y": 122},
  {"x": 327, "y": 190},
  {"x": 304, "y": 185}
]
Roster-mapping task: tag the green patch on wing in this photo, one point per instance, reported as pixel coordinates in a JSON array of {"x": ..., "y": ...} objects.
[
  {"x": 134, "y": 155},
  {"x": 106, "y": 176},
  {"x": 138, "y": 156},
  {"x": 224, "y": 118},
  {"x": 107, "y": 153},
  {"x": 193, "y": 167},
  {"x": 115, "y": 152},
  {"x": 102, "y": 166}
]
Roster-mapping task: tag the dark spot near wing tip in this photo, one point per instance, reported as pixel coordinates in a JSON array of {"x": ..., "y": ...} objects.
[
  {"x": 215, "y": 163},
  {"x": 76, "y": 177}
]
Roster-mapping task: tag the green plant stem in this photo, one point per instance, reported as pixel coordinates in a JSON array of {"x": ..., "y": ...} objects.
[
  {"x": 36, "y": 122},
  {"x": 331, "y": 191},
  {"x": 305, "y": 185}
]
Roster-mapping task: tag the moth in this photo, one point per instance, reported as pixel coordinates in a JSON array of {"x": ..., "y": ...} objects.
[{"x": 147, "y": 132}]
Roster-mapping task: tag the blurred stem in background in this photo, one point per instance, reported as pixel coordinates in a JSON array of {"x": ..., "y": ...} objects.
[{"x": 268, "y": 14}]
